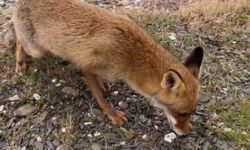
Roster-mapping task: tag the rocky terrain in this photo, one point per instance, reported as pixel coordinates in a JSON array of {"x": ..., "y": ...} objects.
[{"x": 51, "y": 107}]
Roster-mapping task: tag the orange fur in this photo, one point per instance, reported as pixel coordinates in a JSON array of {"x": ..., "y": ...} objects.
[{"x": 105, "y": 45}]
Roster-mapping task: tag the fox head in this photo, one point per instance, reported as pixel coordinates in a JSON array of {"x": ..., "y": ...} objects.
[{"x": 179, "y": 92}]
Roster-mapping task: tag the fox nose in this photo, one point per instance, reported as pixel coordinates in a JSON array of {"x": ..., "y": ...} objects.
[{"x": 182, "y": 131}]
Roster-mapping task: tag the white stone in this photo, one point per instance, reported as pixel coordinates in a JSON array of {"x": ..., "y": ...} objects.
[
  {"x": 36, "y": 96},
  {"x": 39, "y": 139},
  {"x": 90, "y": 135},
  {"x": 170, "y": 137},
  {"x": 115, "y": 92},
  {"x": 144, "y": 136},
  {"x": 63, "y": 130},
  {"x": 53, "y": 80},
  {"x": 228, "y": 129},
  {"x": 87, "y": 123},
  {"x": 1, "y": 108},
  {"x": 96, "y": 134},
  {"x": 14, "y": 98},
  {"x": 122, "y": 143},
  {"x": 172, "y": 36}
]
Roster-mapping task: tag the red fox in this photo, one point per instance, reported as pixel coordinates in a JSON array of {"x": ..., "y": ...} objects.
[{"x": 105, "y": 45}]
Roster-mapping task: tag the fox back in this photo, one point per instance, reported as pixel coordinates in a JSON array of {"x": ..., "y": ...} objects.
[{"x": 112, "y": 47}]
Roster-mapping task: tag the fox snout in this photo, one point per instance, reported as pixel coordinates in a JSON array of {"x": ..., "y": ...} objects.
[{"x": 181, "y": 126}]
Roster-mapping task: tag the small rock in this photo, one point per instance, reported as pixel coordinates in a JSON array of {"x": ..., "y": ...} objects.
[
  {"x": 39, "y": 139},
  {"x": 115, "y": 92},
  {"x": 56, "y": 142},
  {"x": 205, "y": 98},
  {"x": 58, "y": 84},
  {"x": 228, "y": 129},
  {"x": 50, "y": 145},
  {"x": 96, "y": 112},
  {"x": 90, "y": 135},
  {"x": 38, "y": 145},
  {"x": 23, "y": 148},
  {"x": 227, "y": 101},
  {"x": 70, "y": 91},
  {"x": 123, "y": 105},
  {"x": 24, "y": 110},
  {"x": 144, "y": 136},
  {"x": 10, "y": 122},
  {"x": 1, "y": 108},
  {"x": 95, "y": 146},
  {"x": 246, "y": 91},
  {"x": 36, "y": 96},
  {"x": 96, "y": 134},
  {"x": 14, "y": 98},
  {"x": 53, "y": 80},
  {"x": 49, "y": 125},
  {"x": 87, "y": 123},
  {"x": 143, "y": 118},
  {"x": 170, "y": 137},
  {"x": 206, "y": 146},
  {"x": 172, "y": 36},
  {"x": 64, "y": 130}
]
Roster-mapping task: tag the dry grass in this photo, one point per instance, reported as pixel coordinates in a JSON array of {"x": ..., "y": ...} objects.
[{"x": 212, "y": 10}]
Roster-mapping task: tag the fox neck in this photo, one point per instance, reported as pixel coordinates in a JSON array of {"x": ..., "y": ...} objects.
[{"x": 145, "y": 77}]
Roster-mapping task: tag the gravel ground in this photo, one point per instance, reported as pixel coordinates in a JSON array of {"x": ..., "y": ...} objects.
[{"x": 51, "y": 108}]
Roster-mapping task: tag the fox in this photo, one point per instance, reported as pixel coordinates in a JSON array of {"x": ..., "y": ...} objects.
[{"x": 105, "y": 45}]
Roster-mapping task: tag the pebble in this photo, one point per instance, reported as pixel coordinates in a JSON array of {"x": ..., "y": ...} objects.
[
  {"x": 36, "y": 96},
  {"x": 206, "y": 146},
  {"x": 53, "y": 80},
  {"x": 205, "y": 98},
  {"x": 96, "y": 112},
  {"x": 96, "y": 134},
  {"x": 1, "y": 108},
  {"x": 14, "y": 98},
  {"x": 115, "y": 92},
  {"x": 144, "y": 136},
  {"x": 24, "y": 110},
  {"x": 63, "y": 130},
  {"x": 170, "y": 137},
  {"x": 123, "y": 105},
  {"x": 56, "y": 143},
  {"x": 87, "y": 123},
  {"x": 227, "y": 101},
  {"x": 246, "y": 91},
  {"x": 95, "y": 146},
  {"x": 39, "y": 139},
  {"x": 50, "y": 145},
  {"x": 70, "y": 91},
  {"x": 38, "y": 145},
  {"x": 143, "y": 118},
  {"x": 228, "y": 129},
  {"x": 156, "y": 127},
  {"x": 23, "y": 148},
  {"x": 172, "y": 36}
]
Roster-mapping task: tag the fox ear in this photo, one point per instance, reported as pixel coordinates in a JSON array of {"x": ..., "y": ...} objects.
[
  {"x": 171, "y": 81},
  {"x": 194, "y": 60}
]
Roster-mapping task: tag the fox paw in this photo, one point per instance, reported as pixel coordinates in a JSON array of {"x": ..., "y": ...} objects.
[
  {"x": 21, "y": 68},
  {"x": 117, "y": 117}
]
